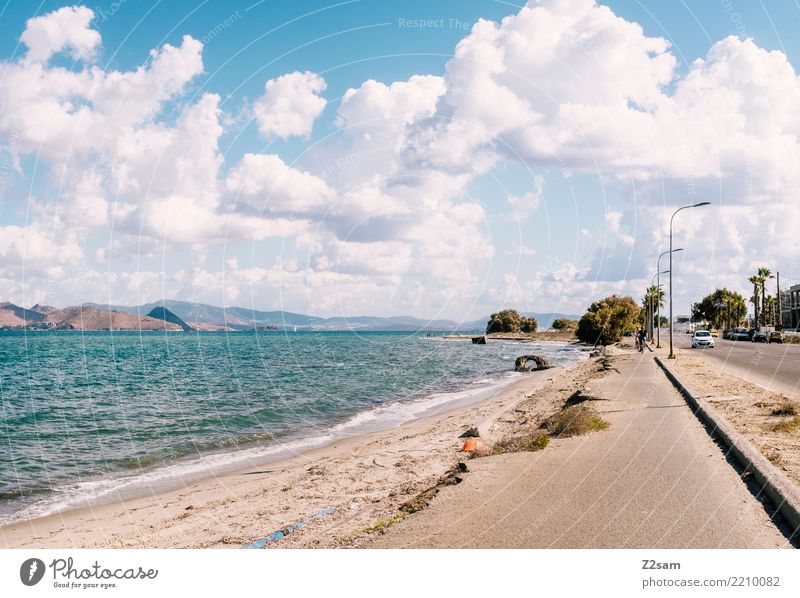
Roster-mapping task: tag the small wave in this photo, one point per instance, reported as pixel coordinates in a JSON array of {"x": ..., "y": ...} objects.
[
  {"x": 396, "y": 413},
  {"x": 161, "y": 479}
]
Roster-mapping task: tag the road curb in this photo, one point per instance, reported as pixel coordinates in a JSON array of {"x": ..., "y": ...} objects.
[{"x": 780, "y": 489}]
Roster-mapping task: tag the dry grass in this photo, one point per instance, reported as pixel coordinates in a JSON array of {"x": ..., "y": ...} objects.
[
  {"x": 575, "y": 421},
  {"x": 523, "y": 443},
  {"x": 784, "y": 409},
  {"x": 383, "y": 524},
  {"x": 775, "y": 458},
  {"x": 788, "y": 426}
]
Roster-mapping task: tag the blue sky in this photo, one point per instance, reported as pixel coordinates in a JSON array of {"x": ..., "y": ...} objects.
[{"x": 558, "y": 200}]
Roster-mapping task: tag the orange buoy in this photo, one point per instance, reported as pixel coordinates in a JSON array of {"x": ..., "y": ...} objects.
[{"x": 473, "y": 445}]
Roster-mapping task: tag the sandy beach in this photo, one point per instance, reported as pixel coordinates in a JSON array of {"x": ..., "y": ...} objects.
[{"x": 356, "y": 482}]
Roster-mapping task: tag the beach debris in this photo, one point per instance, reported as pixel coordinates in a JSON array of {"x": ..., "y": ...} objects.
[
  {"x": 282, "y": 533},
  {"x": 379, "y": 462},
  {"x": 316, "y": 470},
  {"x": 520, "y": 365},
  {"x": 478, "y": 340},
  {"x": 580, "y": 396},
  {"x": 785, "y": 408},
  {"x": 423, "y": 499},
  {"x": 470, "y": 433},
  {"x": 607, "y": 364},
  {"x": 474, "y": 445}
]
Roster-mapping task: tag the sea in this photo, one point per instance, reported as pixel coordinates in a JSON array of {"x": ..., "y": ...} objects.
[{"x": 94, "y": 417}]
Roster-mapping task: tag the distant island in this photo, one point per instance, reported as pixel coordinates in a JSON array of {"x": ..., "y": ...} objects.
[{"x": 177, "y": 316}]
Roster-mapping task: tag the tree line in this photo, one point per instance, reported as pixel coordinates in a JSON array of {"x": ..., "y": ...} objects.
[{"x": 728, "y": 309}]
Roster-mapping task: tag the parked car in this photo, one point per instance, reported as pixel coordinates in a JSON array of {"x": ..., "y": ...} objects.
[
  {"x": 740, "y": 335},
  {"x": 702, "y": 339},
  {"x": 759, "y": 337},
  {"x": 775, "y": 337}
]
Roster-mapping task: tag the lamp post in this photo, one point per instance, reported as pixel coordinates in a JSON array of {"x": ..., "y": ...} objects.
[
  {"x": 658, "y": 307},
  {"x": 671, "y": 331}
]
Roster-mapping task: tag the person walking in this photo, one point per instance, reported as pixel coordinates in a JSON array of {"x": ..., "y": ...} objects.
[{"x": 642, "y": 336}]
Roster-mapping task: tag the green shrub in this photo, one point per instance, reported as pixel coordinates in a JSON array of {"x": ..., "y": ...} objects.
[
  {"x": 607, "y": 320},
  {"x": 509, "y": 320},
  {"x": 564, "y": 324}
]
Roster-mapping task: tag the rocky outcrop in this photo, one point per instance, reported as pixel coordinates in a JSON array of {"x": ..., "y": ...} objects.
[
  {"x": 162, "y": 313},
  {"x": 521, "y": 364},
  {"x": 478, "y": 340}
]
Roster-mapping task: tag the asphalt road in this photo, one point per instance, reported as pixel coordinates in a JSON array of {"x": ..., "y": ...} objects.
[
  {"x": 654, "y": 479},
  {"x": 773, "y": 366}
]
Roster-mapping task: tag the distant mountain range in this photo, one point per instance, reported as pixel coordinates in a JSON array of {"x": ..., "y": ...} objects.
[{"x": 177, "y": 315}]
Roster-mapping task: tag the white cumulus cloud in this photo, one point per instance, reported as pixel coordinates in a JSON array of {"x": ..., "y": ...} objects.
[
  {"x": 65, "y": 29},
  {"x": 290, "y": 104}
]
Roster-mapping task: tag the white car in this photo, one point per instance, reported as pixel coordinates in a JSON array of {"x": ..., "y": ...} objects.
[{"x": 702, "y": 338}]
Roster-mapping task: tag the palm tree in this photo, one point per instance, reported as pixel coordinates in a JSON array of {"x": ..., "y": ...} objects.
[
  {"x": 769, "y": 309},
  {"x": 764, "y": 274},
  {"x": 738, "y": 308},
  {"x": 658, "y": 296},
  {"x": 654, "y": 296},
  {"x": 756, "y": 281}
]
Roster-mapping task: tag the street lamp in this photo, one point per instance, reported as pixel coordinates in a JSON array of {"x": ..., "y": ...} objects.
[
  {"x": 658, "y": 306},
  {"x": 671, "y": 331}
]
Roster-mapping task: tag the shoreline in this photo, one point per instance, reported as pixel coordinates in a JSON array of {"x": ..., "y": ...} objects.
[
  {"x": 237, "y": 507},
  {"x": 122, "y": 484},
  {"x": 169, "y": 477},
  {"x": 561, "y": 337}
]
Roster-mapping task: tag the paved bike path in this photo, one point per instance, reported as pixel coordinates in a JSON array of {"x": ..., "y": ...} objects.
[{"x": 655, "y": 479}]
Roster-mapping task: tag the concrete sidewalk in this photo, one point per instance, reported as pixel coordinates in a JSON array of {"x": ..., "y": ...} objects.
[{"x": 653, "y": 480}]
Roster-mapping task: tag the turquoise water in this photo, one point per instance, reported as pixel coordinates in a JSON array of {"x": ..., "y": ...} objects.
[{"x": 91, "y": 417}]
